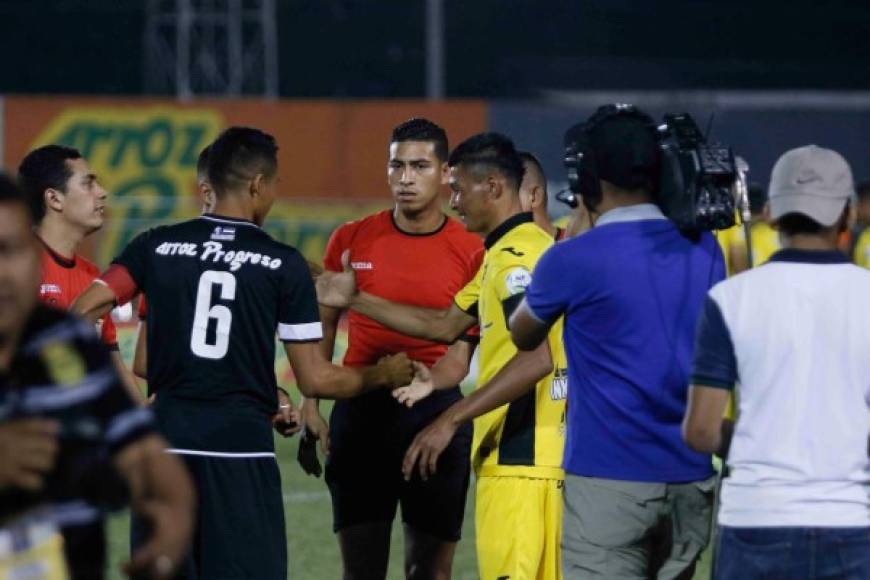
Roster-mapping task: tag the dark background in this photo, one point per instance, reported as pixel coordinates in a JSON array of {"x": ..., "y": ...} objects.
[{"x": 495, "y": 48}]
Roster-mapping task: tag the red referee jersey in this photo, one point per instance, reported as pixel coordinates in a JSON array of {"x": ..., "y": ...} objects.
[
  {"x": 419, "y": 269},
  {"x": 63, "y": 279}
]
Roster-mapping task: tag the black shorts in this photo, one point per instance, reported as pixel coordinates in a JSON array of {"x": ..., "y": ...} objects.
[
  {"x": 85, "y": 550},
  {"x": 239, "y": 530},
  {"x": 368, "y": 440}
]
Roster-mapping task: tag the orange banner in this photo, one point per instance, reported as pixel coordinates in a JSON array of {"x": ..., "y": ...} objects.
[
  {"x": 327, "y": 148},
  {"x": 144, "y": 152}
]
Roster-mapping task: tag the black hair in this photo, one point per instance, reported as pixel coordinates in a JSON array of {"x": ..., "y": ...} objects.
[
  {"x": 794, "y": 223},
  {"x": 420, "y": 129},
  {"x": 10, "y": 192},
  {"x": 45, "y": 168},
  {"x": 493, "y": 150},
  {"x": 862, "y": 190},
  {"x": 202, "y": 162},
  {"x": 238, "y": 155}
]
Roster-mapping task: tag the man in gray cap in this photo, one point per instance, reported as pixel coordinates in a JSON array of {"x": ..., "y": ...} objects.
[{"x": 797, "y": 501}]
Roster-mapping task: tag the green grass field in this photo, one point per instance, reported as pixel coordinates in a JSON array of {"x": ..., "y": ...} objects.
[{"x": 311, "y": 546}]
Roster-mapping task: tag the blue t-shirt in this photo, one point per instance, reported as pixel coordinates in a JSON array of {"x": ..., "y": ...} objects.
[{"x": 631, "y": 293}]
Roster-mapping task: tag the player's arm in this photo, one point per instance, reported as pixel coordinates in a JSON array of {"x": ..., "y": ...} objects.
[
  {"x": 163, "y": 493},
  {"x": 339, "y": 290},
  {"x": 317, "y": 377},
  {"x": 519, "y": 376},
  {"x": 315, "y": 426},
  {"x": 714, "y": 374},
  {"x": 528, "y": 332},
  {"x": 329, "y": 318},
  {"x": 704, "y": 427},
  {"x": 140, "y": 356},
  {"x": 118, "y": 284},
  {"x": 127, "y": 377},
  {"x": 439, "y": 325},
  {"x": 95, "y": 302},
  {"x": 446, "y": 373}
]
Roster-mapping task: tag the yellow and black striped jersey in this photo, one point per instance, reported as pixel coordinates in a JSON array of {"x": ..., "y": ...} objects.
[{"x": 525, "y": 437}]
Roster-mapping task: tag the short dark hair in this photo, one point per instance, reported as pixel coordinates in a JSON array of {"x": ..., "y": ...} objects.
[
  {"x": 45, "y": 168},
  {"x": 239, "y": 154},
  {"x": 10, "y": 192},
  {"x": 862, "y": 190},
  {"x": 420, "y": 129},
  {"x": 202, "y": 162},
  {"x": 794, "y": 223},
  {"x": 493, "y": 150}
]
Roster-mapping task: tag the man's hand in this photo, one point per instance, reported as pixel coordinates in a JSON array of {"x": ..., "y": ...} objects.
[
  {"x": 28, "y": 448},
  {"x": 420, "y": 388},
  {"x": 392, "y": 371},
  {"x": 167, "y": 544},
  {"x": 314, "y": 429},
  {"x": 286, "y": 421},
  {"x": 163, "y": 495},
  {"x": 428, "y": 446},
  {"x": 337, "y": 289}
]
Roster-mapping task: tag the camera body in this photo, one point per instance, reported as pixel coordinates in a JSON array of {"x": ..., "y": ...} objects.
[{"x": 695, "y": 180}]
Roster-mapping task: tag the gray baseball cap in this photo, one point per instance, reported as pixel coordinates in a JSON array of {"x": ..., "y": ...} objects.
[{"x": 811, "y": 180}]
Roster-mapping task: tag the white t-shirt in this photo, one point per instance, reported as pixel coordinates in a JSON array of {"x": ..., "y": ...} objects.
[{"x": 796, "y": 334}]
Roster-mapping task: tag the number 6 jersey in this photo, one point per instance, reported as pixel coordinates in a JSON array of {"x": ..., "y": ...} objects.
[{"x": 218, "y": 291}]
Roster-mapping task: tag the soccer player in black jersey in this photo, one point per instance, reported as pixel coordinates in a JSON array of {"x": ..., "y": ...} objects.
[{"x": 218, "y": 290}]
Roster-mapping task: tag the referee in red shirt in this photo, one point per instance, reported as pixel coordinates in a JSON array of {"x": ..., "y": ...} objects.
[{"x": 415, "y": 254}]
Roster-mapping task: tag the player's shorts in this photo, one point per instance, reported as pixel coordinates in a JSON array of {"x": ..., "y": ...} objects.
[
  {"x": 239, "y": 533},
  {"x": 85, "y": 550},
  {"x": 518, "y": 525},
  {"x": 364, "y": 469}
]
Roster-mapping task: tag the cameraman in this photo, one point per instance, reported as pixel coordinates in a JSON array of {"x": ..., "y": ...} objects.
[{"x": 638, "y": 502}]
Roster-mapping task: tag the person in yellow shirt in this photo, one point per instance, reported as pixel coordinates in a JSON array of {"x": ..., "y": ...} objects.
[
  {"x": 764, "y": 239},
  {"x": 519, "y": 406},
  {"x": 861, "y": 233}
]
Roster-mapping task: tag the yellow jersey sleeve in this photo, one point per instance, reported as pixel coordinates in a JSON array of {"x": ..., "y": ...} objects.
[
  {"x": 466, "y": 299},
  {"x": 511, "y": 280},
  {"x": 861, "y": 256}
]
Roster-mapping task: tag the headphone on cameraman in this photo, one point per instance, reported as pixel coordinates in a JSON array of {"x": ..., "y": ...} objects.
[{"x": 580, "y": 158}]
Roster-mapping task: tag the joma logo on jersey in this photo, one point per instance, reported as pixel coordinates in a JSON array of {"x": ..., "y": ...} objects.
[
  {"x": 224, "y": 234},
  {"x": 49, "y": 289},
  {"x": 362, "y": 266}
]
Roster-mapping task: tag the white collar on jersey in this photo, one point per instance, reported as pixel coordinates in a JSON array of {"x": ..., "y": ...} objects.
[
  {"x": 227, "y": 220},
  {"x": 631, "y": 213}
]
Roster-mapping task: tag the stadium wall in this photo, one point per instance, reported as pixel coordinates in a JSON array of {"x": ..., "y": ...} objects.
[{"x": 332, "y": 156}]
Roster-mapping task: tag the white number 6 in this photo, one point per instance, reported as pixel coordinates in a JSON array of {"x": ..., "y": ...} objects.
[{"x": 205, "y": 312}]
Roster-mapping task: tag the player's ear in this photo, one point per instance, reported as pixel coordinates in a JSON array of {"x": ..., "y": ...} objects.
[
  {"x": 496, "y": 186},
  {"x": 54, "y": 199},
  {"x": 257, "y": 184},
  {"x": 537, "y": 196},
  {"x": 445, "y": 173}
]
